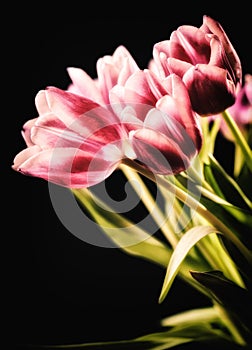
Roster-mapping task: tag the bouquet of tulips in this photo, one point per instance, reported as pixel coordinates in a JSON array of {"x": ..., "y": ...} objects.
[{"x": 160, "y": 125}]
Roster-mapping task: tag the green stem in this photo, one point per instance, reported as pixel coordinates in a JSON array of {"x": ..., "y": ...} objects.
[
  {"x": 239, "y": 138},
  {"x": 222, "y": 259},
  {"x": 230, "y": 324},
  {"x": 179, "y": 219},
  {"x": 145, "y": 246},
  {"x": 150, "y": 204},
  {"x": 194, "y": 204},
  {"x": 238, "y": 160}
]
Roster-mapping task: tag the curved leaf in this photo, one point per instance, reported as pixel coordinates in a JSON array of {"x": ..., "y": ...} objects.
[
  {"x": 234, "y": 298},
  {"x": 205, "y": 314},
  {"x": 187, "y": 241}
]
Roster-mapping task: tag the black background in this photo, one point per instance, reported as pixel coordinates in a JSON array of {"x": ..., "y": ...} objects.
[{"x": 59, "y": 289}]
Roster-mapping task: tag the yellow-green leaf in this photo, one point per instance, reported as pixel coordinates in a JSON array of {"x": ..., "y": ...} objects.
[{"x": 187, "y": 241}]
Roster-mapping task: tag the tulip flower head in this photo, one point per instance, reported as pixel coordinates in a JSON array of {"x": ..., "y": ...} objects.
[
  {"x": 241, "y": 110},
  {"x": 78, "y": 139},
  {"x": 205, "y": 60}
]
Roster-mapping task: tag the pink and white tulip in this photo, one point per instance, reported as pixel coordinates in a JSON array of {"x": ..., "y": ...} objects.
[
  {"x": 111, "y": 70},
  {"x": 207, "y": 63},
  {"x": 78, "y": 139},
  {"x": 165, "y": 132}
]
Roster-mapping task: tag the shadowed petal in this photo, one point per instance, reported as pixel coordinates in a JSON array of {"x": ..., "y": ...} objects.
[
  {"x": 189, "y": 44},
  {"x": 177, "y": 66},
  {"x": 166, "y": 126},
  {"x": 158, "y": 152},
  {"x": 206, "y": 81},
  {"x": 234, "y": 60}
]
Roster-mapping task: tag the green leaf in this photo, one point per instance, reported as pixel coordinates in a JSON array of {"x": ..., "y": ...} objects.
[
  {"x": 225, "y": 185},
  {"x": 205, "y": 314},
  {"x": 169, "y": 339},
  {"x": 132, "y": 238},
  {"x": 242, "y": 232},
  {"x": 238, "y": 208},
  {"x": 233, "y": 298},
  {"x": 187, "y": 241},
  {"x": 240, "y": 261},
  {"x": 244, "y": 181},
  {"x": 241, "y": 229}
]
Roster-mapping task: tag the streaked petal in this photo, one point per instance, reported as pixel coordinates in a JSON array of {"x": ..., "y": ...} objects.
[
  {"x": 67, "y": 167},
  {"x": 120, "y": 97},
  {"x": 158, "y": 153},
  {"x": 179, "y": 107},
  {"x": 234, "y": 62},
  {"x": 115, "y": 69},
  {"x": 189, "y": 44},
  {"x": 83, "y": 116},
  {"x": 85, "y": 84},
  {"x": 66, "y": 105},
  {"x": 49, "y": 132},
  {"x": 26, "y": 132},
  {"x": 142, "y": 93},
  {"x": 166, "y": 126},
  {"x": 178, "y": 67}
]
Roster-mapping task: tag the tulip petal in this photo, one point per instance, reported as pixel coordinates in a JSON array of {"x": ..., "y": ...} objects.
[
  {"x": 129, "y": 65},
  {"x": 122, "y": 98},
  {"x": 233, "y": 58},
  {"x": 161, "y": 51},
  {"x": 156, "y": 85},
  {"x": 115, "y": 69},
  {"x": 67, "y": 105},
  {"x": 203, "y": 81},
  {"x": 169, "y": 127},
  {"x": 41, "y": 103},
  {"x": 85, "y": 84},
  {"x": 158, "y": 152},
  {"x": 178, "y": 67},
  {"x": 49, "y": 132},
  {"x": 179, "y": 107},
  {"x": 25, "y": 154},
  {"x": 26, "y": 132},
  {"x": 83, "y": 116},
  {"x": 67, "y": 167},
  {"x": 189, "y": 44},
  {"x": 137, "y": 89}
]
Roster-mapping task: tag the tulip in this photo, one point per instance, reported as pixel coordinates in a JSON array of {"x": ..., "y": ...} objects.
[
  {"x": 78, "y": 139},
  {"x": 207, "y": 63},
  {"x": 74, "y": 142},
  {"x": 111, "y": 70},
  {"x": 165, "y": 132},
  {"x": 68, "y": 144},
  {"x": 241, "y": 110}
]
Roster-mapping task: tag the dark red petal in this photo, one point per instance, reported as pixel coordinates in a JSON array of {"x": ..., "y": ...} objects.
[{"x": 158, "y": 153}]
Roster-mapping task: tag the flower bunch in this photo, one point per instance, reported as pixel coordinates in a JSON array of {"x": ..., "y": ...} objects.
[{"x": 161, "y": 124}]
